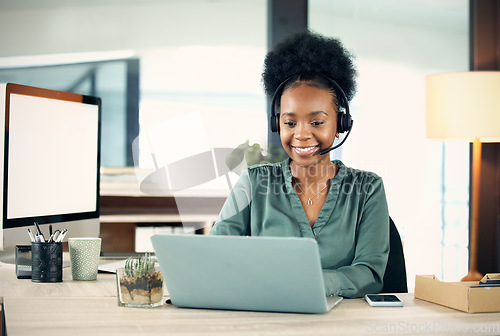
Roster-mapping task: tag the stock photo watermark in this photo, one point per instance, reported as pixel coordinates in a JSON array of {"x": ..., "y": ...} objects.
[
  {"x": 178, "y": 171},
  {"x": 436, "y": 326}
]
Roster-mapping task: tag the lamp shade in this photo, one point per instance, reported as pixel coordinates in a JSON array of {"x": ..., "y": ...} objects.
[{"x": 464, "y": 105}]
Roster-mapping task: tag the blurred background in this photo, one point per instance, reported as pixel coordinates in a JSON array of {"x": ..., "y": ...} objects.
[{"x": 158, "y": 63}]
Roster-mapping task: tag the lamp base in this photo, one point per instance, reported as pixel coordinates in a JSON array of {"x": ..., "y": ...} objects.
[{"x": 473, "y": 275}]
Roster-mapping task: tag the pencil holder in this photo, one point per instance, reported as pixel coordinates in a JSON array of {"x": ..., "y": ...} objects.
[{"x": 46, "y": 262}]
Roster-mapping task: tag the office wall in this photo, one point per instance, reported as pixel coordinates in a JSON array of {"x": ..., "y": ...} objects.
[
  {"x": 199, "y": 56},
  {"x": 48, "y": 27}
]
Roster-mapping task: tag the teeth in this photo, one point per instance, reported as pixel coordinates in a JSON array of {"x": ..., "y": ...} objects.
[{"x": 304, "y": 149}]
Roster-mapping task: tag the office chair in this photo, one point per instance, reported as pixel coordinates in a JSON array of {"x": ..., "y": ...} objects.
[{"x": 395, "y": 271}]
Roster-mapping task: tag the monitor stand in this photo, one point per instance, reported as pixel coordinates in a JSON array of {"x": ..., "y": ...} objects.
[{"x": 8, "y": 256}]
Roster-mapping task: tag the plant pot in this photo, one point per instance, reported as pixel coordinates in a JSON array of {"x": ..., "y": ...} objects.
[{"x": 144, "y": 291}]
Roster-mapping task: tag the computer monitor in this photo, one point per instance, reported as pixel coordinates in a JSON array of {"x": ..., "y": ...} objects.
[{"x": 49, "y": 164}]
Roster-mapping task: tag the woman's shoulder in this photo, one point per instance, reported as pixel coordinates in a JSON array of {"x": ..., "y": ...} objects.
[
  {"x": 278, "y": 172},
  {"x": 354, "y": 173},
  {"x": 266, "y": 169}
]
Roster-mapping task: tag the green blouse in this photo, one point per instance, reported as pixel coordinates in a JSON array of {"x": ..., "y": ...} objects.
[{"x": 352, "y": 229}]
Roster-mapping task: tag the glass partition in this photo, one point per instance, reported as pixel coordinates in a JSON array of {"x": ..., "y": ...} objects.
[{"x": 114, "y": 81}]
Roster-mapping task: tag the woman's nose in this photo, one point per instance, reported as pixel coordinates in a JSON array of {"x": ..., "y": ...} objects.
[{"x": 302, "y": 131}]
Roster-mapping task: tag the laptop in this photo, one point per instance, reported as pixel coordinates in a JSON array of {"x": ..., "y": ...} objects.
[{"x": 275, "y": 274}]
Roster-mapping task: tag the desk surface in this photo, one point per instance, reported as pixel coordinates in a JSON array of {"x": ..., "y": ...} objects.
[
  {"x": 102, "y": 316},
  {"x": 91, "y": 307},
  {"x": 11, "y": 286}
]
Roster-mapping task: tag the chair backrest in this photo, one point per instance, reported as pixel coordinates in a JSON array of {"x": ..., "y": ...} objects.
[{"x": 395, "y": 271}]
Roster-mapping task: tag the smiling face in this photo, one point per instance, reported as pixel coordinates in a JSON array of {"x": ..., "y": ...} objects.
[{"x": 308, "y": 124}]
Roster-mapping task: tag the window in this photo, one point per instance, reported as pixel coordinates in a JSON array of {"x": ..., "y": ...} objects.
[{"x": 396, "y": 44}]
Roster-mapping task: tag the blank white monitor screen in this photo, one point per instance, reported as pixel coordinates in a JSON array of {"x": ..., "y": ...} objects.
[{"x": 53, "y": 146}]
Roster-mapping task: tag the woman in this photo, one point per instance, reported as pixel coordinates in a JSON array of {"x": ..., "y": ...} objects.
[{"x": 308, "y": 195}]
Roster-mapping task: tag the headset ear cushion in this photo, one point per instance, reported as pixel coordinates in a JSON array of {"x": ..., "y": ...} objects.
[
  {"x": 274, "y": 122},
  {"x": 343, "y": 122}
]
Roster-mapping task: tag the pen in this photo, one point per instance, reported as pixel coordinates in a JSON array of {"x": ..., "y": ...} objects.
[
  {"x": 61, "y": 235},
  {"x": 31, "y": 235},
  {"x": 37, "y": 228},
  {"x": 42, "y": 238},
  {"x": 53, "y": 236}
]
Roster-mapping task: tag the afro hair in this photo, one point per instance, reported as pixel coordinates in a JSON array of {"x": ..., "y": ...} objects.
[{"x": 309, "y": 54}]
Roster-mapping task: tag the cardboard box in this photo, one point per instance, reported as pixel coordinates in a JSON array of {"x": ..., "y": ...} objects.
[{"x": 468, "y": 296}]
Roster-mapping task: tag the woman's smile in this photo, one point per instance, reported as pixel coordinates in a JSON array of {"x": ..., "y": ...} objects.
[{"x": 306, "y": 151}]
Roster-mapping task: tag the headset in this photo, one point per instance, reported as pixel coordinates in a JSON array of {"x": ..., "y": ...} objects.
[{"x": 344, "y": 120}]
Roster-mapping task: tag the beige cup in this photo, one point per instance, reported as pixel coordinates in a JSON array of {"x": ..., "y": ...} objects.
[{"x": 84, "y": 254}]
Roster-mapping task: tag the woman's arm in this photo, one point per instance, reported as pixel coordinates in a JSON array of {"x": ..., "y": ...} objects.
[
  {"x": 234, "y": 218},
  {"x": 366, "y": 272}
]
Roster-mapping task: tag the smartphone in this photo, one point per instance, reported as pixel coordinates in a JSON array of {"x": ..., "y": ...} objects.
[{"x": 383, "y": 300}]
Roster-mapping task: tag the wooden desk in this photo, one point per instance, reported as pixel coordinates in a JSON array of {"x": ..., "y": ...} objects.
[
  {"x": 102, "y": 316},
  {"x": 11, "y": 286},
  {"x": 120, "y": 215},
  {"x": 91, "y": 308}
]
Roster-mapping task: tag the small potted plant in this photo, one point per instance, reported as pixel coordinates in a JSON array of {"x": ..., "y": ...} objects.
[{"x": 140, "y": 282}]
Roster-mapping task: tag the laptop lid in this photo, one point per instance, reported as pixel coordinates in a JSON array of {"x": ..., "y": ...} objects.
[{"x": 281, "y": 274}]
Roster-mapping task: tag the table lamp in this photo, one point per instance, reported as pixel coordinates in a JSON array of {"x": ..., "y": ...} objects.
[{"x": 466, "y": 105}]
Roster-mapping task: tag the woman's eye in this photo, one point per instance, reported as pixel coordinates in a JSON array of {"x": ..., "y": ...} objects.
[
  {"x": 289, "y": 123},
  {"x": 317, "y": 123}
]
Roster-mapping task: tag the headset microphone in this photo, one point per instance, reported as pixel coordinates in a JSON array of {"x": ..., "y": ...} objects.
[
  {"x": 328, "y": 150},
  {"x": 344, "y": 120}
]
